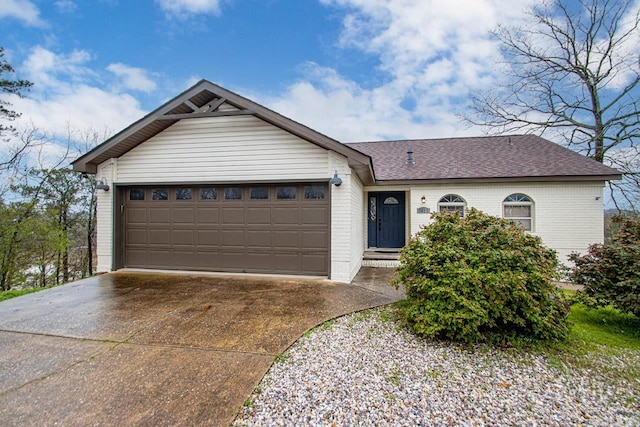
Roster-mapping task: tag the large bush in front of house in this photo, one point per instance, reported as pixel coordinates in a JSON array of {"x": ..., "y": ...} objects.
[
  {"x": 610, "y": 273},
  {"x": 480, "y": 278}
]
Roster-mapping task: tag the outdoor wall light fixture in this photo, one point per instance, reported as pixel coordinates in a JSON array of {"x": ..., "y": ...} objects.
[
  {"x": 336, "y": 179},
  {"x": 101, "y": 185},
  {"x": 423, "y": 200}
]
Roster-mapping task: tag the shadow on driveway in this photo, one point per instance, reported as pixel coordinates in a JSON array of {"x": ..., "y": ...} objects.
[{"x": 155, "y": 349}]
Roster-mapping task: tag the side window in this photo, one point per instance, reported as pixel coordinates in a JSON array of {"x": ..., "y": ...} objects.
[
  {"x": 286, "y": 193},
  {"x": 183, "y": 194},
  {"x": 233, "y": 193},
  {"x": 136, "y": 194},
  {"x": 159, "y": 194},
  {"x": 519, "y": 208},
  {"x": 452, "y": 203},
  {"x": 259, "y": 193},
  {"x": 208, "y": 193},
  {"x": 314, "y": 192}
]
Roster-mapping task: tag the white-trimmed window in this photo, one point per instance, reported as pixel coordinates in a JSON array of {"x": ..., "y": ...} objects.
[
  {"x": 452, "y": 203},
  {"x": 519, "y": 208}
]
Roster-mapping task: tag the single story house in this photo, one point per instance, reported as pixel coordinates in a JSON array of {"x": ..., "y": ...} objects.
[{"x": 213, "y": 181}]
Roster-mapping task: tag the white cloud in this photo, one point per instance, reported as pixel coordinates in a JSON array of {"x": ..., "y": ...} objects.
[
  {"x": 432, "y": 55},
  {"x": 184, "y": 8},
  {"x": 341, "y": 109},
  {"x": 132, "y": 77},
  {"x": 68, "y": 92},
  {"x": 22, "y": 10}
]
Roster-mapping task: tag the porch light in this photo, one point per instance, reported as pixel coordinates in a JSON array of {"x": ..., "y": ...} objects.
[
  {"x": 336, "y": 179},
  {"x": 423, "y": 199},
  {"x": 101, "y": 185}
]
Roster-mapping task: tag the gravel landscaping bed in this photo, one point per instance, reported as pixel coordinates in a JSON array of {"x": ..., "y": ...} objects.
[{"x": 365, "y": 369}]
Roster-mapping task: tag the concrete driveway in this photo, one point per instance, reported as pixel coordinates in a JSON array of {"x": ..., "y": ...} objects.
[{"x": 154, "y": 349}]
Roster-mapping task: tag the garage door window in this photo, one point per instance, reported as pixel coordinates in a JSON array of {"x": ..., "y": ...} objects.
[
  {"x": 159, "y": 194},
  {"x": 183, "y": 194},
  {"x": 233, "y": 193},
  {"x": 208, "y": 193},
  {"x": 313, "y": 192},
  {"x": 136, "y": 194},
  {"x": 286, "y": 193},
  {"x": 259, "y": 193}
]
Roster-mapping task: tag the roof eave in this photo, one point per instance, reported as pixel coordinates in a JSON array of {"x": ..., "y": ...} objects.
[{"x": 475, "y": 180}]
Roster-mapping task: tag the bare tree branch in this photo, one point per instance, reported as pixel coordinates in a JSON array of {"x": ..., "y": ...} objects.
[{"x": 573, "y": 70}]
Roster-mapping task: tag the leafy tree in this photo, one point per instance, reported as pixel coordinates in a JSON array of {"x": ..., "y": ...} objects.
[
  {"x": 479, "y": 277},
  {"x": 610, "y": 273},
  {"x": 9, "y": 86},
  {"x": 61, "y": 192},
  {"x": 573, "y": 72}
]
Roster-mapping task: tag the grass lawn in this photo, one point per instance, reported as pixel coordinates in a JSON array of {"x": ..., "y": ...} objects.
[
  {"x": 5, "y": 295},
  {"x": 604, "y": 326}
]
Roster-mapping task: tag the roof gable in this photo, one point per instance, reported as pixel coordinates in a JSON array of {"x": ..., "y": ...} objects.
[
  {"x": 206, "y": 99},
  {"x": 491, "y": 158}
]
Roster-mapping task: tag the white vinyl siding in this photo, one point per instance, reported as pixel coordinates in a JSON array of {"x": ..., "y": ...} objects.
[
  {"x": 567, "y": 216},
  {"x": 104, "y": 217},
  {"x": 357, "y": 224},
  {"x": 341, "y": 226},
  {"x": 223, "y": 149}
]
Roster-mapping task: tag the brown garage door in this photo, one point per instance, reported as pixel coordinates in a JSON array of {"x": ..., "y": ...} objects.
[{"x": 258, "y": 229}]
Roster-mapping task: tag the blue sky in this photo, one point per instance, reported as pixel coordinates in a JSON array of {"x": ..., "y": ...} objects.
[
  {"x": 353, "y": 69},
  {"x": 356, "y": 70}
]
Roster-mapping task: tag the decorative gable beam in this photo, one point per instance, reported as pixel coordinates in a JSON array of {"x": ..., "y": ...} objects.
[
  {"x": 211, "y": 111},
  {"x": 196, "y": 115},
  {"x": 191, "y": 105}
]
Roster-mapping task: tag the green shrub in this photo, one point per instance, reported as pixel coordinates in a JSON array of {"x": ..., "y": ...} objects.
[
  {"x": 480, "y": 278},
  {"x": 610, "y": 273}
]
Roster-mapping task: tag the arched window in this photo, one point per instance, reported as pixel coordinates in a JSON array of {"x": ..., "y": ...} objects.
[
  {"x": 452, "y": 203},
  {"x": 519, "y": 208}
]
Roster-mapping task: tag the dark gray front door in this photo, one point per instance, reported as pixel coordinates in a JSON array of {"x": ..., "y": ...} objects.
[{"x": 386, "y": 220}]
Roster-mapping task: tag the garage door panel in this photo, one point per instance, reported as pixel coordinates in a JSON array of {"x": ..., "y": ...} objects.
[
  {"x": 160, "y": 258},
  {"x": 208, "y": 238},
  {"x": 207, "y": 215},
  {"x": 231, "y": 238},
  {"x": 136, "y": 215},
  {"x": 159, "y": 215},
  {"x": 232, "y": 260},
  {"x": 258, "y": 261},
  {"x": 231, "y": 216},
  {"x": 137, "y": 236},
  {"x": 183, "y": 258},
  {"x": 286, "y": 215},
  {"x": 258, "y": 238},
  {"x": 183, "y": 216},
  {"x": 183, "y": 237},
  {"x": 314, "y": 240},
  {"x": 208, "y": 260},
  {"x": 314, "y": 215},
  {"x": 314, "y": 263},
  {"x": 286, "y": 239},
  {"x": 274, "y": 235},
  {"x": 159, "y": 236},
  {"x": 137, "y": 257},
  {"x": 286, "y": 262},
  {"x": 259, "y": 216}
]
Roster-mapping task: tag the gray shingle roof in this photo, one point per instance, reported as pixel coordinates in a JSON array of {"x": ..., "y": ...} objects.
[{"x": 495, "y": 157}]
